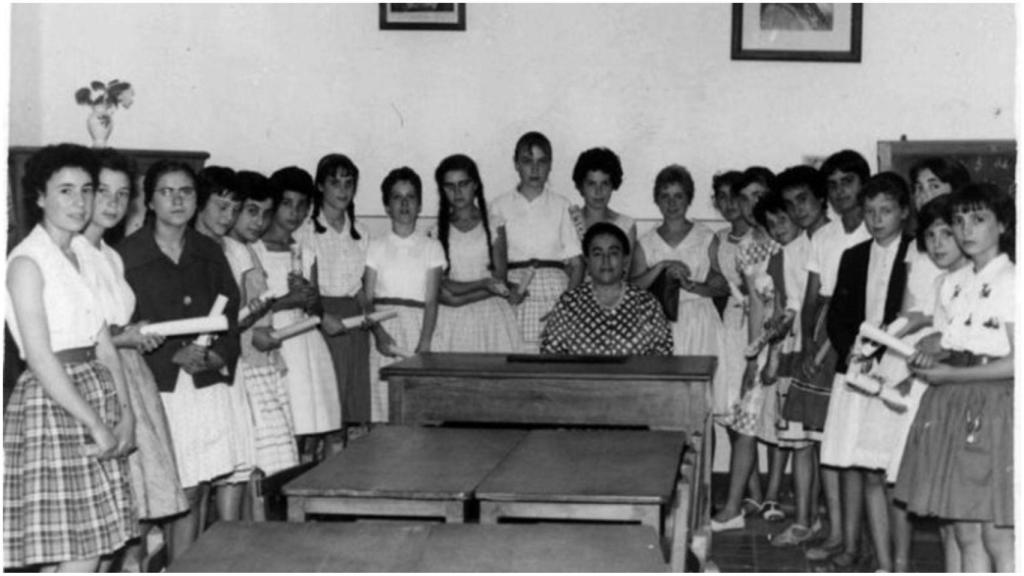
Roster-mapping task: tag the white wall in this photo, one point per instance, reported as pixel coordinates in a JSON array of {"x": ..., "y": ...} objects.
[{"x": 263, "y": 86}]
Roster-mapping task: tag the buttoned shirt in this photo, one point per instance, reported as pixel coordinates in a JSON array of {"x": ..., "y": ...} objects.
[
  {"x": 165, "y": 290},
  {"x": 540, "y": 229}
]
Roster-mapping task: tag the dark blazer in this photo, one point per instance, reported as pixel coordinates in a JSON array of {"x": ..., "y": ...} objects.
[
  {"x": 846, "y": 310},
  {"x": 168, "y": 291}
]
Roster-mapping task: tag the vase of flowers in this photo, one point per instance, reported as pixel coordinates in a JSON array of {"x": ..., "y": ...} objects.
[{"x": 103, "y": 100}]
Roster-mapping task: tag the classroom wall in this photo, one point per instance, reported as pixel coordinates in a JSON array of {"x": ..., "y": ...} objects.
[{"x": 263, "y": 86}]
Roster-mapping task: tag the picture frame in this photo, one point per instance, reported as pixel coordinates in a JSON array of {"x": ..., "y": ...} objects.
[
  {"x": 442, "y": 16},
  {"x": 814, "y": 32}
]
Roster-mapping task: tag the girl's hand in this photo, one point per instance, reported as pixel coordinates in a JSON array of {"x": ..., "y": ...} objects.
[
  {"x": 385, "y": 344},
  {"x": 258, "y": 307},
  {"x": 104, "y": 443},
  {"x": 124, "y": 433},
  {"x": 331, "y": 325},
  {"x": 809, "y": 368},
  {"x": 263, "y": 341},
  {"x": 938, "y": 374},
  {"x": 931, "y": 344},
  {"x": 190, "y": 358},
  {"x": 145, "y": 343},
  {"x": 749, "y": 376},
  {"x": 921, "y": 360},
  {"x": 679, "y": 271},
  {"x": 497, "y": 287}
]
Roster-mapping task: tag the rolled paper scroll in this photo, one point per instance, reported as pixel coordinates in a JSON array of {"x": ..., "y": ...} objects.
[
  {"x": 357, "y": 321},
  {"x": 304, "y": 325},
  {"x": 882, "y": 337},
  {"x": 196, "y": 325},
  {"x": 868, "y": 347},
  {"x": 876, "y": 387},
  {"x": 266, "y": 295},
  {"x": 217, "y": 309},
  {"x": 734, "y": 290}
]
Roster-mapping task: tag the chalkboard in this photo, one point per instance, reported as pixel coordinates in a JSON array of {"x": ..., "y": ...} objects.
[{"x": 992, "y": 161}]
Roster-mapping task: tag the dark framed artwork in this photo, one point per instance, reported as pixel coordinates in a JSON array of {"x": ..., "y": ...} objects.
[
  {"x": 423, "y": 16},
  {"x": 802, "y": 32}
]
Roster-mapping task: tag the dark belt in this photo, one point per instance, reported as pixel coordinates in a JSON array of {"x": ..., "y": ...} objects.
[
  {"x": 535, "y": 263},
  {"x": 76, "y": 355},
  {"x": 399, "y": 302},
  {"x": 962, "y": 358}
]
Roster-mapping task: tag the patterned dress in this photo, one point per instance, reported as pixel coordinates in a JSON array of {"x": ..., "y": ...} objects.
[
  {"x": 636, "y": 325},
  {"x": 484, "y": 326},
  {"x": 59, "y": 503},
  {"x": 734, "y": 327}
]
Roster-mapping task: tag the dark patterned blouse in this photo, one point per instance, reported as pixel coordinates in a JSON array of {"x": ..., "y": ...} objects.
[{"x": 579, "y": 325}]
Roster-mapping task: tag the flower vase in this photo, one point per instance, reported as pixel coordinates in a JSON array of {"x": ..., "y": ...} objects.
[{"x": 100, "y": 124}]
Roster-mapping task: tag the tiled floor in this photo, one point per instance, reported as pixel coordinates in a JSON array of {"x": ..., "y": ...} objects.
[{"x": 749, "y": 550}]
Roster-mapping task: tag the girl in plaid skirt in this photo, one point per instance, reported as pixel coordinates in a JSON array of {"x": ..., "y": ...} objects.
[
  {"x": 475, "y": 315},
  {"x": 68, "y": 426}
]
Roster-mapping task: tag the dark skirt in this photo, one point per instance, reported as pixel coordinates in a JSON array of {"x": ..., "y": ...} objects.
[
  {"x": 807, "y": 402},
  {"x": 350, "y": 354},
  {"x": 59, "y": 504},
  {"x": 958, "y": 463}
]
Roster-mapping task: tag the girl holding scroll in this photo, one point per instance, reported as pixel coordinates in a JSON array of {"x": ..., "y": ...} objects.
[
  {"x": 154, "y": 474},
  {"x": 176, "y": 272},
  {"x": 958, "y": 463},
  {"x": 312, "y": 385}
]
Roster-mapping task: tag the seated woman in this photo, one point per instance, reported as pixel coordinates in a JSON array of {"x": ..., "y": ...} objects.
[{"x": 607, "y": 316}]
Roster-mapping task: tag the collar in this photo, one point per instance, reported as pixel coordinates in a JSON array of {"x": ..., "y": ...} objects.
[
  {"x": 140, "y": 248},
  {"x": 992, "y": 269}
]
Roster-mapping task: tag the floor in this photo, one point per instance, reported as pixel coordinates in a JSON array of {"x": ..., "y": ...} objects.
[{"x": 749, "y": 550}]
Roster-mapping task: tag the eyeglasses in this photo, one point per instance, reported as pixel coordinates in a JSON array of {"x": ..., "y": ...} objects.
[{"x": 186, "y": 192}]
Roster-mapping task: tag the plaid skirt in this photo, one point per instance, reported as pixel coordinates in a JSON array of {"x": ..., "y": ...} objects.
[
  {"x": 273, "y": 432},
  {"x": 405, "y": 330},
  {"x": 547, "y": 286},
  {"x": 59, "y": 504},
  {"x": 485, "y": 326}
]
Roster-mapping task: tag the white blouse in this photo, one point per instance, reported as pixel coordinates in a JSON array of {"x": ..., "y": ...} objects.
[
  {"x": 541, "y": 228},
  {"x": 104, "y": 270},
  {"x": 692, "y": 251},
  {"x": 975, "y": 306},
  {"x": 881, "y": 261},
  {"x": 73, "y": 314},
  {"x": 922, "y": 275},
  {"x": 468, "y": 254},
  {"x": 340, "y": 259},
  {"x": 402, "y": 264},
  {"x": 827, "y": 247}
]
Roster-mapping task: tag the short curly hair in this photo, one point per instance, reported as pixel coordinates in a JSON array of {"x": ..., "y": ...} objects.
[
  {"x": 597, "y": 160},
  {"x": 674, "y": 174},
  {"x": 605, "y": 229},
  {"x": 48, "y": 161},
  {"x": 403, "y": 174}
]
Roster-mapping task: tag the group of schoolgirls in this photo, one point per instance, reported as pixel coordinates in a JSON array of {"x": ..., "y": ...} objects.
[{"x": 877, "y": 351}]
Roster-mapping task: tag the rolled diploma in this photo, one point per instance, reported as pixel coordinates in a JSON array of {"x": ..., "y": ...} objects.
[
  {"x": 196, "y": 325},
  {"x": 296, "y": 328},
  {"x": 867, "y": 347},
  {"x": 734, "y": 290},
  {"x": 885, "y": 339},
  {"x": 872, "y": 386},
  {"x": 530, "y": 272},
  {"x": 357, "y": 321},
  {"x": 266, "y": 295},
  {"x": 216, "y": 310}
]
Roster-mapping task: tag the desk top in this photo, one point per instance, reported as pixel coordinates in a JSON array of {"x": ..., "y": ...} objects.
[
  {"x": 409, "y": 462},
  {"x": 593, "y": 466},
  {"x": 497, "y": 366},
  {"x": 396, "y": 547}
]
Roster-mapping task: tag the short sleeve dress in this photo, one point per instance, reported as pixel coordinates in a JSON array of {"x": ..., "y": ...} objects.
[{"x": 484, "y": 326}]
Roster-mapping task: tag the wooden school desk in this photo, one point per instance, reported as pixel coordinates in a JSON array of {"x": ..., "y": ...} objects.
[
  {"x": 626, "y": 475},
  {"x": 402, "y": 471},
  {"x": 398, "y": 547},
  {"x": 663, "y": 393}
]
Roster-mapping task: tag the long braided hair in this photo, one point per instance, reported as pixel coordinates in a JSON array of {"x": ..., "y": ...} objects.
[
  {"x": 326, "y": 168},
  {"x": 467, "y": 165}
]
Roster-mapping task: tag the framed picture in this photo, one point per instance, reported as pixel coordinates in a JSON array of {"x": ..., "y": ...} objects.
[
  {"x": 809, "y": 32},
  {"x": 423, "y": 16}
]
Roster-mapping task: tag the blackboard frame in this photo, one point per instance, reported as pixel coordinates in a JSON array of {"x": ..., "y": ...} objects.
[{"x": 900, "y": 155}]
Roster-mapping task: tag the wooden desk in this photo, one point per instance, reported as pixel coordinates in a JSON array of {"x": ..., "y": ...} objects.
[
  {"x": 624, "y": 475},
  {"x": 671, "y": 393},
  {"x": 402, "y": 471},
  {"x": 395, "y": 547}
]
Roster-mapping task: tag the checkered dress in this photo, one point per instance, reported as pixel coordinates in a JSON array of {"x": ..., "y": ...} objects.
[
  {"x": 545, "y": 288},
  {"x": 273, "y": 432},
  {"x": 60, "y": 504},
  {"x": 405, "y": 329}
]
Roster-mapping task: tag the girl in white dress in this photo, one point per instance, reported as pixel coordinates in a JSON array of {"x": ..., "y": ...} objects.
[
  {"x": 154, "y": 473},
  {"x": 597, "y": 174},
  {"x": 403, "y": 274},
  {"x": 475, "y": 315},
  {"x": 312, "y": 385}
]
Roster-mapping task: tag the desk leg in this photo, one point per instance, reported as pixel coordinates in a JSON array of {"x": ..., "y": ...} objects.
[
  {"x": 490, "y": 512},
  {"x": 651, "y": 516},
  {"x": 296, "y": 509}
]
